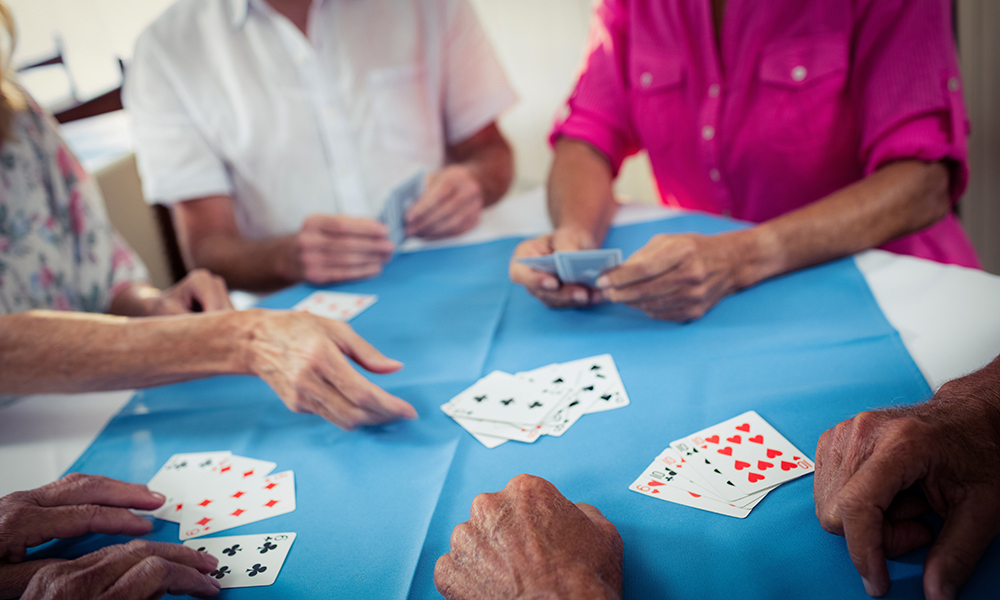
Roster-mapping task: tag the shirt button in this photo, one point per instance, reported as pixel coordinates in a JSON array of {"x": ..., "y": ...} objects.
[
  {"x": 713, "y": 90},
  {"x": 714, "y": 175},
  {"x": 952, "y": 84},
  {"x": 707, "y": 132},
  {"x": 646, "y": 79},
  {"x": 799, "y": 73}
]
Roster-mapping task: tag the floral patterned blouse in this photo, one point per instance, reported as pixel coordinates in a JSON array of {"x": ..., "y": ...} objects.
[{"x": 58, "y": 250}]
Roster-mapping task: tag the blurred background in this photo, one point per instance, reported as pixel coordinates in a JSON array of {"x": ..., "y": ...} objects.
[{"x": 71, "y": 55}]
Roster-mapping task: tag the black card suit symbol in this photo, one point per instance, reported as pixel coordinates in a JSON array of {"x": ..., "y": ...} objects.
[
  {"x": 606, "y": 397},
  {"x": 599, "y": 376},
  {"x": 558, "y": 380},
  {"x": 573, "y": 403},
  {"x": 595, "y": 368},
  {"x": 507, "y": 401},
  {"x": 257, "y": 568},
  {"x": 202, "y": 549},
  {"x": 180, "y": 465},
  {"x": 535, "y": 404},
  {"x": 206, "y": 463},
  {"x": 232, "y": 551},
  {"x": 220, "y": 572},
  {"x": 267, "y": 546},
  {"x": 730, "y": 483},
  {"x": 589, "y": 388},
  {"x": 479, "y": 398}
]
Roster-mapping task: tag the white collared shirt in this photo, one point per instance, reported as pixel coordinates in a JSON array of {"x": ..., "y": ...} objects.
[{"x": 228, "y": 97}]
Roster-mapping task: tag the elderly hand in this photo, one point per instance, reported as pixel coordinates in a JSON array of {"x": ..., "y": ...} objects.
[
  {"x": 72, "y": 506},
  {"x": 199, "y": 290},
  {"x": 546, "y": 286},
  {"x": 138, "y": 570},
  {"x": 451, "y": 204},
  {"x": 676, "y": 277},
  {"x": 341, "y": 248},
  {"x": 877, "y": 473},
  {"x": 302, "y": 356},
  {"x": 529, "y": 541}
]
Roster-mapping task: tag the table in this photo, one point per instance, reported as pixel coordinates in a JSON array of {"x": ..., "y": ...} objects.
[{"x": 451, "y": 463}]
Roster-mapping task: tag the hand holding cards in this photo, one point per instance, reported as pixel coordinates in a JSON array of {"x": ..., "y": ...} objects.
[
  {"x": 727, "y": 468},
  {"x": 582, "y": 266},
  {"x": 544, "y": 401},
  {"x": 399, "y": 201}
]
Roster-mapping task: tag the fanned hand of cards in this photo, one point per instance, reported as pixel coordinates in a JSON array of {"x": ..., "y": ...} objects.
[
  {"x": 545, "y": 401},
  {"x": 726, "y": 469},
  {"x": 339, "y": 306},
  {"x": 582, "y": 267},
  {"x": 399, "y": 201}
]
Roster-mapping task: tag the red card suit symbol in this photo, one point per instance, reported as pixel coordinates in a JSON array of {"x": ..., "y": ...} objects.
[
  {"x": 270, "y": 503},
  {"x": 205, "y": 502},
  {"x": 248, "y": 473},
  {"x": 744, "y": 427},
  {"x": 740, "y": 465},
  {"x": 787, "y": 466},
  {"x": 655, "y": 483},
  {"x": 771, "y": 453},
  {"x": 270, "y": 486},
  {"x": 237, "y": 512},
  {"x": 728, "y": 451},
  {"x": 735, "y": 439},
  {"x": 695, "y": 495},
  {"x": 179, "y": 506},
  {"x": 714, "y": 439},
  {"x": 204, "y": 521},
  {"x": 763, "y": 466},
  {"x": 237, "y": 495},
  {"x": 757, "y": 439},
  {"x": 754, "y": 477},
  {"x": 225, "y": 469}
]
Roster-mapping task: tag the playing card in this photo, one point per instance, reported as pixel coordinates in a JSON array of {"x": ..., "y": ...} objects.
[
  {"x": 339, "y": 306},
  {"x": 699, "y": 459},
  {"x": 501, "y": 397},
  {"x": 507, "y": 431},
  {"x": 246, "y": 560},
  {"x": 173, "y": 477},
  {"x": 245, "y": 502},
  {"x": 397, "y": 203},
  {"x": 545, "y": 263},
  {"x": 692, "y": 481},
  {"x": 585, "y": 266},
  {"x": 751, "y": 453},
  {"x": 488, "y": 440},
  {"x": 599, "y": 383}
]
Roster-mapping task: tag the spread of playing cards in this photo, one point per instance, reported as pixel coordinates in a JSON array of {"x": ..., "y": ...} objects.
[
  {"x": 339, "y": 306},
  {"x": 544, "y": 401},
  {"x": 581, "y": 266},
  {"x": 209, "y": 492},
  {"x": 726, "y": 469}
]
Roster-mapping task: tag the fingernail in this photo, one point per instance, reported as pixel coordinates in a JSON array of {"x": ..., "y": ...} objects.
[
  {"x": 603, "y": 281},
  {"x": 869, "y": 588},
  {"x": 215, "y": 582},
  {"x": 550, "y": 284},
  {"x": 580, "y": 296},
  {"x": 159, "y": 496}
]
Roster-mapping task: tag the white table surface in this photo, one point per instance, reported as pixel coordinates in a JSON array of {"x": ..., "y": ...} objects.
[{"x": 948, "y": 318}]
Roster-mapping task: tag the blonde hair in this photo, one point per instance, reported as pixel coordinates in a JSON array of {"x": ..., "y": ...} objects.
[{"x": 11, "y": 98}]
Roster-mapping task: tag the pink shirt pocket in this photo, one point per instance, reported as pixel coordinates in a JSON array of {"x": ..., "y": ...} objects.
[{"x": 659, "y": 110}]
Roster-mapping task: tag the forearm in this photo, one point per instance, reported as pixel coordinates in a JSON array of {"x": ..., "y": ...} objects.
[
  {"x": 254, "y": 265},
  {"x": 978, "y": 391},
  {"x": 488, "y": 157},
  {"x": 56, "y": 352},
  {"x": 895, "y": 201},
  {"x": 580, "y": 191}
]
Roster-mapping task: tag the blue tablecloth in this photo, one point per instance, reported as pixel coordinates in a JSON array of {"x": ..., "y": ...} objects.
[{"x": 376, "y": 507}]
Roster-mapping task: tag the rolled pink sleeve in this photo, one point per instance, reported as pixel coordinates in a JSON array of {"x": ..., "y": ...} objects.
[
  {"x": 907, "y": 87},
  {"x": 598, "y": 111}
]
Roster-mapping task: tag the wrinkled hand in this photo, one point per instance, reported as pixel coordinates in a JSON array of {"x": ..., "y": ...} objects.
[
  {"x": 199, "y": 290},
  {"x": 451, "y": 204},
  {"x": 879, "y": 472},
  {"x": 72, "y": 506},
  {"x": 138, "y": 570},
  {"x": 529, "y": 541},
  {"x": 332, "y": 248},
  {"x": 546, "y": 286},
  {"x": 302, "y": 356},
  {"x": 675, "y": 277}
]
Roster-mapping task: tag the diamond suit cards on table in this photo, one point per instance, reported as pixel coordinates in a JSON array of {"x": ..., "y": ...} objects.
[
  {"x": 727, "y": 468},
  {"x": 544, "y": 401}
]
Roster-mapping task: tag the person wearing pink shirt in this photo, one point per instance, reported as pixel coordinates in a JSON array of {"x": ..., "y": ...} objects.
[{"x": 835, "y": 126}]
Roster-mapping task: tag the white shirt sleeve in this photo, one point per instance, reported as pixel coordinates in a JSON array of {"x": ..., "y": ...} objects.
[
  {"x": 476, "y": 88},
  {"x": 175, "y": 160}
]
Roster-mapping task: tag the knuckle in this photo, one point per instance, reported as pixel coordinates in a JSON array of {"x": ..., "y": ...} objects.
[
  {"x": 139, "y": 547},
  {"x": 484, "y": 504}
]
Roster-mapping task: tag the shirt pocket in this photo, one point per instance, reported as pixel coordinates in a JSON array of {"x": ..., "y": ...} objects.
[
  {"x": 802, "y": 98},
  {"x": 404, "y": 121},
  {"x": 657, "y": 80}
]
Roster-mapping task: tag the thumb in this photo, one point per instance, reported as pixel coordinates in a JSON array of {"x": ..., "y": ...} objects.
[
  {"x": 363, "y": 353},
  {"x": 957, "y": 551}
]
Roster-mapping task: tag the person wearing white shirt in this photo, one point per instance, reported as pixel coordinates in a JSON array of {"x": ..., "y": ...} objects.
[{"x": 276, "y": 128}]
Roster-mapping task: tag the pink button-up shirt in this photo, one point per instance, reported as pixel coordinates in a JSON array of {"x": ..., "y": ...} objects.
[{"x": 804, "y": 98}]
